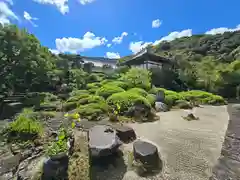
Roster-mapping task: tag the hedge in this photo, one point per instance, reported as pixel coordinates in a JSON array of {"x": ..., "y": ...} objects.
[{"x": 202, "y": 97}]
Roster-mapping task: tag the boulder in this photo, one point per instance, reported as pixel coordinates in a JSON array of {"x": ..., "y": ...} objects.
[
  {"x": 103, "y": 141},
  {"x": 125, "y": 133},
  {"x": 147, "y": 154},
  {"x": 9, "y": 163},
  {"x": 190, "y": 116},
  {"x": 161, "y": 107}
]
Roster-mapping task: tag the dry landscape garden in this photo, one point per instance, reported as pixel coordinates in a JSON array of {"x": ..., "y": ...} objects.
[{"x": 64, "y": 119}]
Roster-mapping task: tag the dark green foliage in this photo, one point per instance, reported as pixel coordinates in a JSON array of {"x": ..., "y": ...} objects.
[
  {"x": 24, "y": 63},
  {"x": 107, "y": 90},
  {"x": 139, "y": 91},
  {"x": 127, "y": 100},
  {"x": 94, "y": 77}
]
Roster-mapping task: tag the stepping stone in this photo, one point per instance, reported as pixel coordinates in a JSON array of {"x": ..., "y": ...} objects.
[
  {"x": 125, "y": 133},
  {"x": 147, "y": 154},
  {"x": 103, "y": 141}
]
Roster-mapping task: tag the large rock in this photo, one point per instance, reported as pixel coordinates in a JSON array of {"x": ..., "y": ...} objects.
[
  {"x": 161, "y": 107},
  {"x": 125, "y": 133},
  {"x": 103, "y": 141},
  {"x": 9, "y": 163},
  {"x": 147, "y": 154}
]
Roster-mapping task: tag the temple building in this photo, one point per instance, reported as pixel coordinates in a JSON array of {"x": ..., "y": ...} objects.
[{"x": 146, "y": 59}]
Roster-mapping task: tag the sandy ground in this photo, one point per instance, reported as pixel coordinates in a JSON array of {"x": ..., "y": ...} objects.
[{"x": 189, "y": 149}]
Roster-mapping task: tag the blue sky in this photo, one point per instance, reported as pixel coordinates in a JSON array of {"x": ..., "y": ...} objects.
[{"x": 116, "y": 28}]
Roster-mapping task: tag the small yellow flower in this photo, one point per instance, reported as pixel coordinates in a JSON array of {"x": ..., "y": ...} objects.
[
  {"x": 66, "y": 115},
  {"x": 76, "y": 116}
]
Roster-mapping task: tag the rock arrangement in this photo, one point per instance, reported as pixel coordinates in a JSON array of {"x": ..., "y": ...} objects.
[{"x": 105, "y": 140}]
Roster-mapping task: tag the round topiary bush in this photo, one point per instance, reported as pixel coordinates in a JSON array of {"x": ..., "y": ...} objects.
[
  {"x": 106, "y": 90},
  {"x": 93, "y": 111},
  {"x": 121, "y": 84},
  {"x": 139, "y": 91},
  {"x": 126, "y": 100},
  {"x": 78, "y": 92},
  {"x": 202, "y": 97}
]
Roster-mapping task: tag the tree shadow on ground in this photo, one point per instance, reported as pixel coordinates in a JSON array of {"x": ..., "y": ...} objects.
[{"x": 108, "y": 168}]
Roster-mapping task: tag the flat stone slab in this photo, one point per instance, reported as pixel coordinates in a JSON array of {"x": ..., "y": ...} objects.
[
  {"x": 103, "y": 141},
  {"x": 146, "y": 153}
]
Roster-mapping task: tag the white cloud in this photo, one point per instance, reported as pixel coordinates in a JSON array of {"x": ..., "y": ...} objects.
[
  {"x": 54, "y": 51},
  {"x": 175, "y": 35},
  {"x": 112, "y": 55},
  {"x": 62, "y": 5},
  {"x": 118, "y": 40},
  {"x": 9, "y": 2},
  {"x": 74, "y": 45},
  {"x": 222, "y": 30},
  {"x": 137, "y": 46},
  {"x": 156, "y": 23},
  {"x": 6, "y": 14},
  {"x": 109, "y": 45},
  {"x": 83, "y": 2},
  {"x": 29, "y": 18}
]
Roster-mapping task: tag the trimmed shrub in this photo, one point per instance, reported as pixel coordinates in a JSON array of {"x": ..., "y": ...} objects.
[
  {"x": 202, "y": 97},
  {"x": 77, "y": 98},
  {"x": 26, "y": 124},
  {"x": 139, "y": 91},
  {"x": 127, "y": 100},
  {"x": 78, "y": 92},
  {"x": 121, "y": 84},
  {"x": 106, "y": 81},
  {"x": 183, "y": 104},
  {"x": 151, "y": 99},
  {"x": 90, "y": 99},
  {"x": 93, "y": 111},
  {"x": 105, "y": 91},
  {"x": 93, "y": 85},
  {"x": 68, "y": 106}
]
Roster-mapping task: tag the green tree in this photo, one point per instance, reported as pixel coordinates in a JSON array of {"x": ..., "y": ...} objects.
[{"x": 138, "y": 77}]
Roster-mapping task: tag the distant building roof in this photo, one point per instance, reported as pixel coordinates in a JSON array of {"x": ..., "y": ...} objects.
[
  {"x": 143, "y": 55},
  {"x": 99, "y": 59}
]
